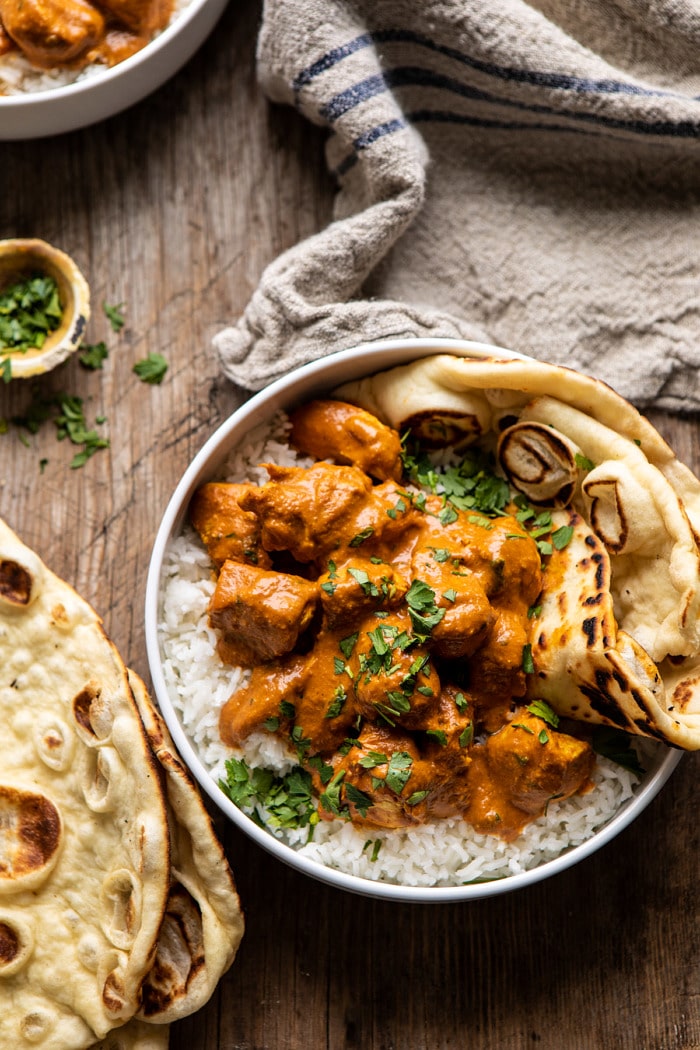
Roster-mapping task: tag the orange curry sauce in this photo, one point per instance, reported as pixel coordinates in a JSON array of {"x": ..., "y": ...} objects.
[
  {"x": 386, "y": 632},
  {"x": 76, "y": 33}
]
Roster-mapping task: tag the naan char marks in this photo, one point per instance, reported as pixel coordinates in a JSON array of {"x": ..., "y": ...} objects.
[
  {"x": 87, "y": 830},
  {"x": 618, "y": 640}
]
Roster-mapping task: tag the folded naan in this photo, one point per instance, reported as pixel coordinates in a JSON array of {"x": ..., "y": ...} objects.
[
  {"x": 569, "y": 443},
  {"x": 93, "y": 846}
]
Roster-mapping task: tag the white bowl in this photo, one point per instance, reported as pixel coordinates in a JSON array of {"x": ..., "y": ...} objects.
[
  {"x": 303, "y": 384},
  {"x": 39, "y": 113}
]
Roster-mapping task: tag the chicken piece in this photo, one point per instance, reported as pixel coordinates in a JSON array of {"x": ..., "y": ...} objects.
[
  {"x": 140, "y": 16},
  {"x": 496, "y": 669},
  {"x": 536, "y": 764},
  {"x": 468, "y": 616},
  {"x": 260, "y": 614},
  {"x": 393, "y": 678},
  {"x": 347, "y": 434},
  {"x": 6, "y": 41},
  {"x": 357, "y": 586},
  {"x": 382, "y": 782},
  {"x": 448, "y": 731},
  {"x": 264, "y": 702},
  {"x": 227, "y": 531},
  {"x": 316, "y": 511},
  {"x": 52, "y": 32}
]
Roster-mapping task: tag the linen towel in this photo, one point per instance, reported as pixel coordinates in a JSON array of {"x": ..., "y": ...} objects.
[{"x": 526, "y": 174}]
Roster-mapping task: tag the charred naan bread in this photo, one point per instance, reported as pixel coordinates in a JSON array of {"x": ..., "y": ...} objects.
[
  {"x": 618, "y": 640},
  {"x": 203, "y": 925},
  {"x": 92, "y": 843}
]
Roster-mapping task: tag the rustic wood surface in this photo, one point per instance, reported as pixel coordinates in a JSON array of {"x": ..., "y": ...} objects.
[{"x": 173, "y": 209}]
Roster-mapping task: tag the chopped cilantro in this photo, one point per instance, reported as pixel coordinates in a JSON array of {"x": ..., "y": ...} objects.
[
  {"x": 528, "y": 665},
  {"x": 29, "y": 311},
  {"x": 399, "y": 771},
  {"x": 416, "y": 797},
  {"x": 361, "y": 536},
  {"x": 287, "y": 800},
  {"x": 92, "y": 355},
  {"x": 336, "y": 704},
  {"x": 583, "y": 462},
  {"x": 152, "y": 369},
  {"x": 115, "y": 315},
  {"x": 616, "y": 745},
  {"x": 347, "y": 645},
  {"x": 359, "y": 799},
  {"x": 562, "y": 537},
  {"x": 541, "y": 709},
  {"x": 330, "y": 799},
  {"x": 439, "y": 735}
]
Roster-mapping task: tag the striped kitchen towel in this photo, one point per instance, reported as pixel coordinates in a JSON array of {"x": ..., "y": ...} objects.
[{"x": 524, "y": 173}]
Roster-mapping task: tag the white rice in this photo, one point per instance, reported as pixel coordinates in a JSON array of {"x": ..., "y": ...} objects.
[
  {"x": 443, "y": 853},
  {"x": 18, "y": 76}
]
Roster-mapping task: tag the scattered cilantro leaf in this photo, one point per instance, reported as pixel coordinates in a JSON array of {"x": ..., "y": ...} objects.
[
  {"x": 115, "y": 315},
  {"x": 152, "y": 369},
  {"x": 92, "y": 355}
]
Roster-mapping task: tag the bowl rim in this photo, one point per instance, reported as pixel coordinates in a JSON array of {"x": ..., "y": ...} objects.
[
  {"x": 112, "y": 73},
  {"x": 260, "y": 406}
]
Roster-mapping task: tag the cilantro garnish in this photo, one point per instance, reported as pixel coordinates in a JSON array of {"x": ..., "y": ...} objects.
[
  {"x": 439, "y": 735},
  {"x": 336, "y": 704},
  {"x": 399, "y": 771},
  {"x": 287, "y": 800},
  {"x": 422, "y": 609},
  {"x": 372, "y": 759},
  {"x": 29, "y": 311},
  {"x": 92, "y": 355},
  {"x": 152, "y": 369},
  {"x": 583, "y": 462},
  {"x": 541, "y": 709},
  {"x": 115, "y": 315},
  {"x": 562, "y": 537},
  {"x": 361, "y": 536},
  {"x": 615, "y": 745},
  {"x": 359, "y": 799},
  {"x": 330, "y": 799},
  {"x": 528, "y": 664}
]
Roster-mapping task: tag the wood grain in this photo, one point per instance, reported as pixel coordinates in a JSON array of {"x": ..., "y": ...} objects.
[{"x": 174, "y": 208}]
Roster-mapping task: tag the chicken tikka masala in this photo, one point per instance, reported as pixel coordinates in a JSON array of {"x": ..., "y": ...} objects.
[
  {"x": 76, "y": 33},
  {"x": 384, "y": 610}
]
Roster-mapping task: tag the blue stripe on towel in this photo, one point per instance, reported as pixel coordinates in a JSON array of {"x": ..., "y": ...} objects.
[
  {"x": 373, "y": 86},
  {"x": 539, "y": 78}
]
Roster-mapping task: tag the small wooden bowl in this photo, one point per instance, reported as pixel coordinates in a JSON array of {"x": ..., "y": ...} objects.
[{"x": 22, "y": 259}]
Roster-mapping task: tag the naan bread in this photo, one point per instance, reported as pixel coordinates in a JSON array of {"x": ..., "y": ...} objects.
[
  {"x": 89, "y": 832},
  {"x": 203, "y": 922},
  {"x": 135, "y": 1035},
  {"x": 567, "y": 440}
]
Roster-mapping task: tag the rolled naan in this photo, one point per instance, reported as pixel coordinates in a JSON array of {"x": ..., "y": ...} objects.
[
  {"x": 569, "y": 443},
  {"x": 93, "y": 843}
]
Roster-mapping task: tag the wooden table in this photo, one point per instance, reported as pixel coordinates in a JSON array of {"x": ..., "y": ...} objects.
[{"x": 173, "y": 209}]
